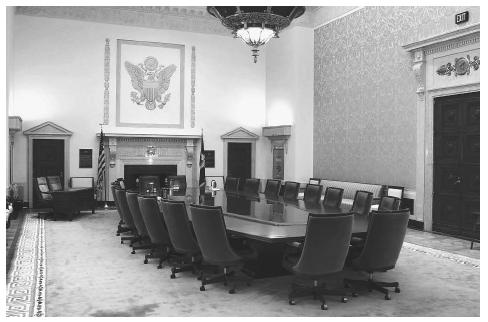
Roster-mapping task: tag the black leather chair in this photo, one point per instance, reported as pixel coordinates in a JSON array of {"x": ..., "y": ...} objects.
[
  {"x": 187, "y": 257},
  {"x": 209, "y": 226},
  {"x": 133, "y": 204},
  {"x": 44, "y": 199},
  {"x": 362, "y": 202},
  {"x": 54, "y": 183},
  {"x": 231, "y": 184},
  {"x": 389, "y": 203},
  {"x": 290, "y": 191},
  {"x": 121, "y": 227},
  {"x": 156, "y": 229},
  {"x": 324, "y": 253},
  {"x": 386, "y": 232},
  {"x": 333, "y": 197},
  {"x": 132, "y": 234},
  {"x": 313, "y": 193},
  {"x": 251, "y": 186},
  {"x": 272, "y": 189},
  {"x": 179, "y": 181}
]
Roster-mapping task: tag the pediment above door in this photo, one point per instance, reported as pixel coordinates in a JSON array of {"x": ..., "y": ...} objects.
[
  {"x": 240, "y": 133},
  {"x": 48, "y": 128}
]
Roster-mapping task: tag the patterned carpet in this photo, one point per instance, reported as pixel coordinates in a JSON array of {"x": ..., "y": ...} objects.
[
  {"x": 27, "y": 277},
  {"x": 92, "y": 274}
]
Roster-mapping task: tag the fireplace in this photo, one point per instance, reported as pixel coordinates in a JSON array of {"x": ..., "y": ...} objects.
[{"x": 134, "y": 171}]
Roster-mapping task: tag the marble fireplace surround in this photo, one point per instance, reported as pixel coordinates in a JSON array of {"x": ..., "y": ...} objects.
[
  {"x": 428, "y": 56},
  {"x": 131, "y": 149}
]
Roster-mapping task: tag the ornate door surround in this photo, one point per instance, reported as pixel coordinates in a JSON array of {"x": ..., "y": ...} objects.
[
  {"x": 240, "y": 135},
  {"x": 444, "y": 65}
]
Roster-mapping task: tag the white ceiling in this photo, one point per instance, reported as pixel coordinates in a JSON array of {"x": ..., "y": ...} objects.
[{"x": 185, "y": 18}]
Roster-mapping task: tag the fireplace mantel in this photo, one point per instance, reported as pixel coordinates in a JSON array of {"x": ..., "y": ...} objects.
[{"x": 166, "y": 149}]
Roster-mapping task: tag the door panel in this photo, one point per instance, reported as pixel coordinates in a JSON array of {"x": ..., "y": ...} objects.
[{"x": 456, "y": 163}]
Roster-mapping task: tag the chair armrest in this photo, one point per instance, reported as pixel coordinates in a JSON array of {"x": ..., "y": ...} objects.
[{"x": 375, "y": 201}]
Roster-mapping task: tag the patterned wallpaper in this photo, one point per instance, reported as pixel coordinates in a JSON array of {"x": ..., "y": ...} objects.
[{"x": 365, "y": 101}]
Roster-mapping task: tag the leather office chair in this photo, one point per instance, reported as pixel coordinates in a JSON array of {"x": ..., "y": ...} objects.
[
  {"x": 180, "y": 233},
  {"x": 272, "y": 189},
  {"x": 54, "y": 183},
  {"x": 324, "y": 253},
  {"x": 290, "y": 191},
  {"x": 362, "y": 202},
  {"x": 313, "y": 193},
  {"x": 386, "y": 232},
  {"x": 231, "y": 184},
  {"x": 333, "y": 197},
  {"x": 389, "y": 203},
  {"x": 251, "y": 186},
  {"x": 133, "y": 204},
  {"x": 128, "y": 220},
  {"x": 45, "y": 199},
  {"x": 121, "y": 226},
  {"x": 209, "y": 226},
  {"x": 153, "y": 219},
  {"x": 179, "y": 181}
]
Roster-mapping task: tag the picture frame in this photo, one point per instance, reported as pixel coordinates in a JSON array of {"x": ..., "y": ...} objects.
[{"x": 150, "y": 84}]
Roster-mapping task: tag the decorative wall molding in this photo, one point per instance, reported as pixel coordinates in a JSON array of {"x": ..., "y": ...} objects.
[
  {"x": 461, "y": 66},
  {"x": 106, "y": 75},
  {"x": 240, "y": 133},
  {"x": 193, "y": 70},
  {"x": 48, "y": 128}
]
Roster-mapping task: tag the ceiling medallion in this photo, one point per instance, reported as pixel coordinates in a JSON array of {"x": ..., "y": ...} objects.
[{"x": 256, "y": 25}]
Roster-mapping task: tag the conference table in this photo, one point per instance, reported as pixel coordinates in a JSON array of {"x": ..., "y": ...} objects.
[{"x": 268, "y": 224}]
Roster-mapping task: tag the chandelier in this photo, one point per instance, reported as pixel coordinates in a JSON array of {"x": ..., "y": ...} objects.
[{"x": 256, "y": 25}]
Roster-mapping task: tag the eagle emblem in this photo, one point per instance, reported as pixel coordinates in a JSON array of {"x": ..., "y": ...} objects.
[{"x": 151, "y": 81}]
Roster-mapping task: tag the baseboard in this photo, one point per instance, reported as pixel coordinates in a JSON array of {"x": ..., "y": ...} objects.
[{"x": 415, "y": 224}]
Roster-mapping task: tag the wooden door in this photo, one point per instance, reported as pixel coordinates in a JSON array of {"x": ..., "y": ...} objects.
[
  {"x": 456, "y": 164},
  {"x": 48, "y": 160},
  {"x": 239, "y": 161}
]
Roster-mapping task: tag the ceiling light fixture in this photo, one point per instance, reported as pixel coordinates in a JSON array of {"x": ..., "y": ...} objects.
[{"x": 256, "y": 25}]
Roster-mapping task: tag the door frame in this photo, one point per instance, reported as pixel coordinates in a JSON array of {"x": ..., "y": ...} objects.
[
  {"x": 427, "y": 56},
  {"x": 46, "y": 131},
  {"x": 240, "y": 135}
]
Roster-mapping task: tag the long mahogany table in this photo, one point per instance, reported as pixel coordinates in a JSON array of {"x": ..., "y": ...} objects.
[{"x": 268, "y": 223}]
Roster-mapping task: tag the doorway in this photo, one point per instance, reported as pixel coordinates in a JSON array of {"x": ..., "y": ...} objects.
[
  {"x": 47, "y": 160},
  {"x": 239, "y": 161},
  {"x": 456, "y": 197}
]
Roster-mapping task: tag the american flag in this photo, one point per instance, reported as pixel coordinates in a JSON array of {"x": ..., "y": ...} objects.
[
  {"x": 101, "y": 164},
  {"x": 201, "y": 181}
]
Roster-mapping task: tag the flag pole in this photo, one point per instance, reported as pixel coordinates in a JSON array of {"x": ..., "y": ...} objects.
[{"x": 104, "y": 175}]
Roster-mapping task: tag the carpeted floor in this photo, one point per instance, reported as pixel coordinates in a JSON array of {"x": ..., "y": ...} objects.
[{"x": 91, "y": 274}]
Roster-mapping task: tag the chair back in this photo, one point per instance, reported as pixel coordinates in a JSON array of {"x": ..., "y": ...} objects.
[
  {"x": 333, "y": 197},
  {"x": 116, "y": 202},
  {"x": 395, "y": 191},
  {"x": 251, "y": 186},
  {"x": 231, "y": 184},
  {"x": 384, "y": 240},
  {"x": 179, "y": 227},
  {"x": 136, "y": 213},
  {"x": 43, "y": 189},
  {"x": 209, "y": 226},
  {"x": 389, "y": 203},
  {"x": 272, "y": 189},
  {"x": 362, "y": 202},
  {"x": 54, "y": 183},
  {"x": 153, "y": 220},
  {"x": 312, "y": 194},
  {"x": 124, "y": 209},
  {"x": 290, "y": 191},
  {"x": 179, "y": 181},
  {"x": 326, "y": 244}
]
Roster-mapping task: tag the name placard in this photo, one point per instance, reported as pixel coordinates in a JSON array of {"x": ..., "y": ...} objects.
[{"x": 462, "y": 17}]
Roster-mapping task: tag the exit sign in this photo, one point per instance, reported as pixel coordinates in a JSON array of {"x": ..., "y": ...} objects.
[{"x": 462, "y": 17}]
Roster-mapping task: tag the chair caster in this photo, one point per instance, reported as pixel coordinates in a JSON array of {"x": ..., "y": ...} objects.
[
  {"x": 172, "y": 276},
  {"x": 355, "y": 294},
  {"x": 387, "y": 297},
  {"x": 121, "y": 241},
  {"x": 146, "y": 261},
  {"x": 232, "y": 291},
  {"x": 160, "y": 266},
  {"x": 133, "y": 252},
  {"x": 291, "y": 302},
  {"x": 202, "y": 288},
  {"x": 324, "y": 307},
  {"x": 344, "y": 299},
  {"x": 397, "y": 290}
]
